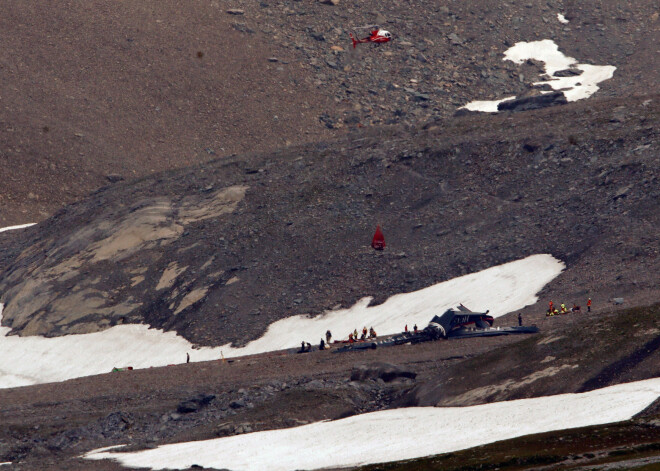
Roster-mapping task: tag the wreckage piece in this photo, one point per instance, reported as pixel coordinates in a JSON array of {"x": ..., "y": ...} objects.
[
  {"x": 454, "y": 320},
  {"x": 461, "y": 322},
  {"x": 360, "y": 346},
  {"x": 453, "y": 323},
  {"x": 494, "y": 331}
]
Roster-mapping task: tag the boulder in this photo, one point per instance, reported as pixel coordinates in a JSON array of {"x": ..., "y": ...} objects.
[
  {"x": 238, "y": 403},
  {"x": 385, "y": 371},
  {"x": 454, "y": 39},
  {"x": 533, "y": 102},
  {"x": 114, "y": 177},
  {"x": 567, "y": 73},
  {"x": 115, "y": 423},
  {"x": 194, "y": 403}
]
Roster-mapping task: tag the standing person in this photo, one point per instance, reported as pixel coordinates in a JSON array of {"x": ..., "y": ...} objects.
[
  {"x": 322, "y": 345},
  {"x": 550, "y": 307},
  {"x": 415, "y": 328},
  {"x": 328, "y": 336},
  {"x": 589, "y": 305},
  {"x": 519, "y": 319},
  {"x": 405, "y": 329},
  {"x": 187, "y": 357}
]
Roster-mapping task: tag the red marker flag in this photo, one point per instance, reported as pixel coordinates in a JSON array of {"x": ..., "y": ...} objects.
[{"x": 378, "y": 242}]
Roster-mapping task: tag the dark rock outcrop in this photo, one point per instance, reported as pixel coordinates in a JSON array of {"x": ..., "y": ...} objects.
[
  {"x": 195, "y": 403},
  {"x": 385, "y": 371},
  {"x": 533, "y": 102}
]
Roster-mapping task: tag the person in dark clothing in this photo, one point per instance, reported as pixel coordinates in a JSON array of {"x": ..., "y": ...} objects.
[
  {"x": 415, "y": 328},
  {"x": 519, "y": 319},
  {"x": 302, "y": 347},
  {"x": 187, "y": 357},
  {"x": 322, "y": 345},
  {"x": 309, "y": 347},
  {"x": 328, "y": 336}
]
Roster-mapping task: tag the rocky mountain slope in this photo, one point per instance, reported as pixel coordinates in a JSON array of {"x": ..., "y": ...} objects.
[
  {"x": 93, "y": 92},
  {"x": 214, "y": 167},
  {"x": 220, "y": 251}
]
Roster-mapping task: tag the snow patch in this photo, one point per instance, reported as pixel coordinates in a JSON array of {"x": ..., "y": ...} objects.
[
  {"x": 12, "y": 228},
  {"x": 578, "y": 86},
  {"x": 397, "y": 434},
  {"x": 562, "y": 18},
  {"x": 487, "y": 106},
  {"x": 574, "y": 87},
  {"x": 502, "y": 289}
]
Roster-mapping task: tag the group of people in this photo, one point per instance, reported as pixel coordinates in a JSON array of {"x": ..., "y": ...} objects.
[
  {"x": 306, "y": 347},
  {"x": 353, "y": 336},
  {"x": 415, "y": 330},
  {"x": 553, "y": 311}
]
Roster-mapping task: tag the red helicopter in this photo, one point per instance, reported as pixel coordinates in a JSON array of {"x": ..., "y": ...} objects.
[{"x": 377, "y": 36}]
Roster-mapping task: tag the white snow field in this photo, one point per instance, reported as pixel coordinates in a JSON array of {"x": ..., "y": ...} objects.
[
  {"x": 502, "y": 289},
  {"x": 575, "y": 87},
  {"x": 397, "y": 434}
]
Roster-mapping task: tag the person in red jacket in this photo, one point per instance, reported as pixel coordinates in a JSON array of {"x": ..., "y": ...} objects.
[
  {"x": 550, "y": 307},
  {"x": 589, "y": 305}
]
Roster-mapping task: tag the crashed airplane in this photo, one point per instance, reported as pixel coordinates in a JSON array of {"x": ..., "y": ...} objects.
[{"x": 454, "y": 323}]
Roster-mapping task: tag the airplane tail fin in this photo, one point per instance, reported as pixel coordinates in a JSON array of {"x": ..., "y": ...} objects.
[{"x": 353, "y": 39}]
